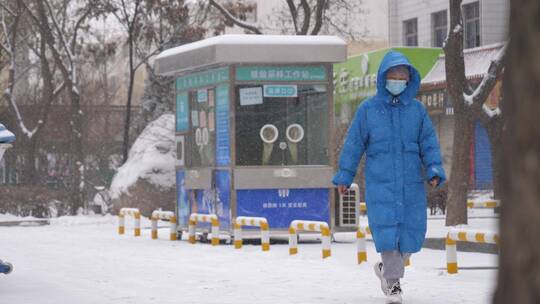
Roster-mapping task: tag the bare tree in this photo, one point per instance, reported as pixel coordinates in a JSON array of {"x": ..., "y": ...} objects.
[
  {"x": 468, "y": 106},
  {"x": 298, "y": 17},
  {"x": 17, "y": 42},
  {"x": 61, "y": 24},
  {"x": 519, "y": 226},
  {"x": 129, "y": 14},
  {"x": 98, "y": 91},
  {"x": 150, "y": 27},
  {"x": 175, "y": 27}
]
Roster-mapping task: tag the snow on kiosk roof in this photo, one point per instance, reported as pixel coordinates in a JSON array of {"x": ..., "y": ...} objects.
[{"x": 251, "y": 49}]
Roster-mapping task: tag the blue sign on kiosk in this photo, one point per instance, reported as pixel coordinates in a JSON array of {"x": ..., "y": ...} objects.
[{"x": 254, "y": 128}]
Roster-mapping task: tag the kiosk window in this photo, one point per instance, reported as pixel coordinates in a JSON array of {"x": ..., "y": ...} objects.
[
  {"x": 281, "y": 125},
  {"x": 201, "y": 137}
]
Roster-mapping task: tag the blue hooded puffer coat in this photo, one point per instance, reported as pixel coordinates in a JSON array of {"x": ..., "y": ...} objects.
[{"x": 402, "y": 152}]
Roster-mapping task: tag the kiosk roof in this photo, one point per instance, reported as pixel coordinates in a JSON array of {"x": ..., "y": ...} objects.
[{"x": 228, "y": 49}]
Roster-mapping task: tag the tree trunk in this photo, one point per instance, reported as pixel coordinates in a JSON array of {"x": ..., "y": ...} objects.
[
  {"x": 127, "y": 123},
  {"x": 77, "y": 155},
  {"x": 456, "y": 82},
  {"x": 459, "y": 179},
  {"x": 519, "y": 260},
  {"x": 29, "y": 176}
]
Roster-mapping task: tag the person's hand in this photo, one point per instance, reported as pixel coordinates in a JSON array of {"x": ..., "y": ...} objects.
[
  {"x": 342, "y": 189},
  {"x": 434, "y": 181}
]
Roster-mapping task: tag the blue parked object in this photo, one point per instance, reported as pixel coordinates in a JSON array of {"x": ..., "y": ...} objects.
[
  {"x": 6, "y": 136},
  {"x": 402, "y": 152},
  {"x": 5, "y": 267}
]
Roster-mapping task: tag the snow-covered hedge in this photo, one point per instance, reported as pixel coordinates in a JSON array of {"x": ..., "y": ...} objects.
[{"x": 151, "y": 161}]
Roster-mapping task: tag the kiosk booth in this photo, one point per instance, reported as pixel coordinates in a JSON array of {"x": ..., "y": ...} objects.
[{"x": 254, "y": 121}]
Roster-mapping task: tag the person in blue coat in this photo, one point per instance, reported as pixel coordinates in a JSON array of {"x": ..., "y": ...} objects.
[{"x": 395, "y": 132}]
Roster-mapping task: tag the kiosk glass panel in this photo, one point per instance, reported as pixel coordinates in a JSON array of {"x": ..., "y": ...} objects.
[
  {"x": 281, "y": 125},
  {"x": 200, "y": 144}
]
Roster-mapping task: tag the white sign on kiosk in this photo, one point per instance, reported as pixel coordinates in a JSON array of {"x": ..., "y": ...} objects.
[{"x": 251, "y": 96}]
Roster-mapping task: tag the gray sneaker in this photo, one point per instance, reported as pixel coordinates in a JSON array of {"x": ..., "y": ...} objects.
[
  {"x": 393, "y": 294},
  {"x": 378, "y": 268}
]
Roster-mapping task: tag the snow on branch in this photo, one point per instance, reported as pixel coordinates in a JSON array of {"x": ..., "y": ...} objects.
[
  {"x": 7, "y": 9},
  {"x": 60, "y": 33},
  {"x": 22, "y": 125},
  {"x": 458, "y": 28},
  {"x": 235, "y": 20},
  {"x": 488, "y": 81},
  {"x": 10, "y": 34},
  {"x": 491, "y": 112}
]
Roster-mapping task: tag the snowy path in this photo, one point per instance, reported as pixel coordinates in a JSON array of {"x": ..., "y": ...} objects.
[{"x": 83, "y": 260}]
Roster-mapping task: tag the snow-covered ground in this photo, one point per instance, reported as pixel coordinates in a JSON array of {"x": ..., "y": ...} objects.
[{"x": 84, "y": 260}]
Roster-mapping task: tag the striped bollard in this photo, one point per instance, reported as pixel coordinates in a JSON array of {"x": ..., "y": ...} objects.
[
  {"x": 363, "y": 207},
  {"x": 300, "y": 225},
  {"x": 451, "y": 255},
  {"x": 164, "y": 215},
  {"x": 464, "y": 235},
  {"x": 121, "y": 224},
  {"x": 137, "y": 220},
  {"x": 206, "y": 218},
  {"x": 255, "y": 222},
  {"x": 154, "y": 233},
  {"x": 483, "y": 204},
  {"x": 172, "y": 234},
  {"x": 361, "y": 233},
  {"x": 138, "y": 224},
  {"x": 293, "y": 241}
]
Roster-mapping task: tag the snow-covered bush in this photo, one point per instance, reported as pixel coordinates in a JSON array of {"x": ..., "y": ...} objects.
[{"x": 147, "y": 179}]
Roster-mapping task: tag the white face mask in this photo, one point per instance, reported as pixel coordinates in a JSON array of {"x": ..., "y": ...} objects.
[{"x": 396, "y": 87}]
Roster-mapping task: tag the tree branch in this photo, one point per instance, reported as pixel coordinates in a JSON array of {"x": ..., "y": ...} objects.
[
  {"x": 321, "y": 7},
  {"x": 307, "y": 17},
  {"x": 145, "y": 59},
  {"x": 7, "y": 9},
  {"x": 233, "y": 19},
  {"x": 78, "y": 24},
  {"x": 478, "y": 97},
  {"x": 59, "y": 31},
  {"x": 294, "y": 14}
]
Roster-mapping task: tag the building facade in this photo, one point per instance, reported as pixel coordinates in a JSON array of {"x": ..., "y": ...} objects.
[{"x": 424, "y": 23}]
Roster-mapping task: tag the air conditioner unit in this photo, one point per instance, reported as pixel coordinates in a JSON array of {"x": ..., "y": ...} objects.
[{"x": 349, "y": 207}]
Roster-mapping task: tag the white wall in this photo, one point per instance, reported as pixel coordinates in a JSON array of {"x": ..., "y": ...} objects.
[{"x": 493, "y": 19}]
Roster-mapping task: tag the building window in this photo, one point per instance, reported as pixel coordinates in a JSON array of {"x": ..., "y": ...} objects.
[
  {"x": 439, "y": 24},
  {"x": 410, "y": 31},
  {"x": 471, "y": 18}
]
